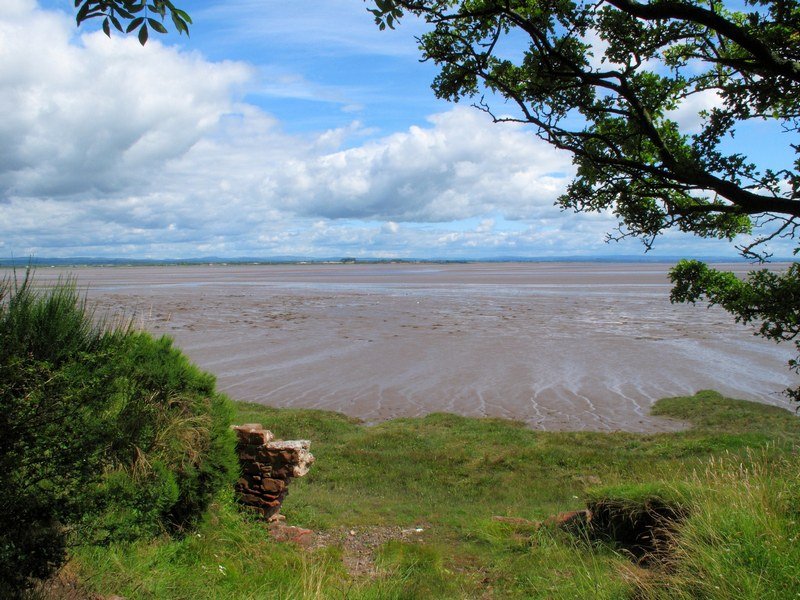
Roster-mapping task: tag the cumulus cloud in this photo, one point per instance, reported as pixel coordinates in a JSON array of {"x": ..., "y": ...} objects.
[
  {"x": 97, "y": 114},
  {"x": 105, "y": 143},
  {"x": 108, "y": 148},
  {"x": 688, "y": 115},
  {"x": 460, "y": 166}
]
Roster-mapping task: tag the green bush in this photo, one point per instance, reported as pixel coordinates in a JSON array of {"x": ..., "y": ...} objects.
[
  {"x": 166, "y": 429},
  {"x": 108, "y": 433}
]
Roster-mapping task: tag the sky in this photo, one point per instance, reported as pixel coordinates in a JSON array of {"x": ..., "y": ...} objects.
[{"x": 276, "y": 129}]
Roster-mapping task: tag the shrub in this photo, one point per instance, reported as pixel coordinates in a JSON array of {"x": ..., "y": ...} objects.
[
  {"x": 108, "y": 433},
  {"x": 166, "y": 429}
]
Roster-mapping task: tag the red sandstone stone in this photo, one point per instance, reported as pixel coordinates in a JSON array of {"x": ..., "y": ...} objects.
[
  {"x": 259, "y": 438},
  {"x": 270, "y": 509},
  {"x": 250, "y": 499},
  {"x": 284, "y": 473},
  {"x": 273, "y": 485},
  {"x": 251, "y": 468},
  {"x": 250, "y": 477},
  {"x": 272, "y": 457},
  {"x": 247, "y": 427},
  {"x": 253, "y": 434},
  {"x": 267, "y": 467}
]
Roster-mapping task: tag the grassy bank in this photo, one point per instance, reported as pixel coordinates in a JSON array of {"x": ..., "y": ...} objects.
[
  {"x": 406, "y": 509},
  {"x": 106, "y": 433}
]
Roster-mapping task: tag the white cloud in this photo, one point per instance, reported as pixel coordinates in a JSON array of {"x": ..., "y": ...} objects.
[
  {"x": 485, "y": 225},
  {"x": 16, "y": 8},
  {"x": 390, "y": 228},
  {"x": 687, "y": 115},
  {"x": 100, "y": 114},
  {"x": 460, "y": 166},
  {"x": 107, "y": 148}
]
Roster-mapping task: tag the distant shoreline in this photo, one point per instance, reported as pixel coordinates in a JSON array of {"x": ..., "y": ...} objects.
[{"x": 21, "y": 263}]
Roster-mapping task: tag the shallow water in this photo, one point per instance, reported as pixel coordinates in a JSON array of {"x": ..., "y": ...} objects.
[{"x": 561, "y": 346}]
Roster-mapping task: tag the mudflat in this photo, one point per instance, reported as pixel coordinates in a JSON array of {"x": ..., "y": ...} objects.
[{"x": 561, "y": 346}]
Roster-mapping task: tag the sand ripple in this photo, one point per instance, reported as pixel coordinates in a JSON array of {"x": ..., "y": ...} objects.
[{"x": 560, "y": 346}]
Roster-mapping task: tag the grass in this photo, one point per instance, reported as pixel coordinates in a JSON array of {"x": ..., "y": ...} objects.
[
  {"x": 742, "y": 540},
  {"x": 734, "y": 470}
]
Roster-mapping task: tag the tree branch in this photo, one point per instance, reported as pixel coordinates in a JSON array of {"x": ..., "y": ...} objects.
[{"x": 668, "y": 9}]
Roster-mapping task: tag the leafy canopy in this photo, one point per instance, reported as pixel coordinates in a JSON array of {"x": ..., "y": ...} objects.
[
  {"x": 604, "y": 80},
  {"x": 128, "y": 15}
]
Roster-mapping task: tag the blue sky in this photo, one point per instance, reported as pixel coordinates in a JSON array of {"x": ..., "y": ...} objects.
[{"x": 291, "y": 128}]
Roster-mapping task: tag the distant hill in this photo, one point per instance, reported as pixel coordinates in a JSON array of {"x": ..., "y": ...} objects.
[{"x": 80, "y": 261}]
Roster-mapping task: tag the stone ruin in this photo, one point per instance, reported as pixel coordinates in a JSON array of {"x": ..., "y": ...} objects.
[{"x": 267, "y": 467}]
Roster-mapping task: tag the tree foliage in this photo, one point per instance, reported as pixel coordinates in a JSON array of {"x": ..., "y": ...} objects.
[
  {"x": 605, "y": 80},
  {"x": 130, "y": 15},
  {"x": 766, "y": 298}
]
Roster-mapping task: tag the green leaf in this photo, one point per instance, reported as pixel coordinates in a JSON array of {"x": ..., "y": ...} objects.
[
  {"x": 143, "y": 35},
  {"x": 157, "y": 26},
  {"x": 115, "y": 22},
  {"x": 134, "y": 24},
  {"x": 158, "y": 8},
  {"x": 184, "y": 17},
  {"x": 106, "y": 28},
  {"x": 180, "y": 26},
  {"x": 82, "y": 13}
]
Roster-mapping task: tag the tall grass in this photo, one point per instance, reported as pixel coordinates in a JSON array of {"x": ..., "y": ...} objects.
[
  {"x": 107, "y": 433},
  {"x": 741, "y": 540}
]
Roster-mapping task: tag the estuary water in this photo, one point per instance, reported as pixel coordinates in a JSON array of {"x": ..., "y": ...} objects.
[{"x": 561, "y": 346}]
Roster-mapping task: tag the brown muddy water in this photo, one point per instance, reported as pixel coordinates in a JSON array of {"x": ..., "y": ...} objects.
[{"x": 561, "y": 346}]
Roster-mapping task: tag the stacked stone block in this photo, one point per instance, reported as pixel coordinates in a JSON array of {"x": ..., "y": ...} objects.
[{"x": 267, "y": 466}]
